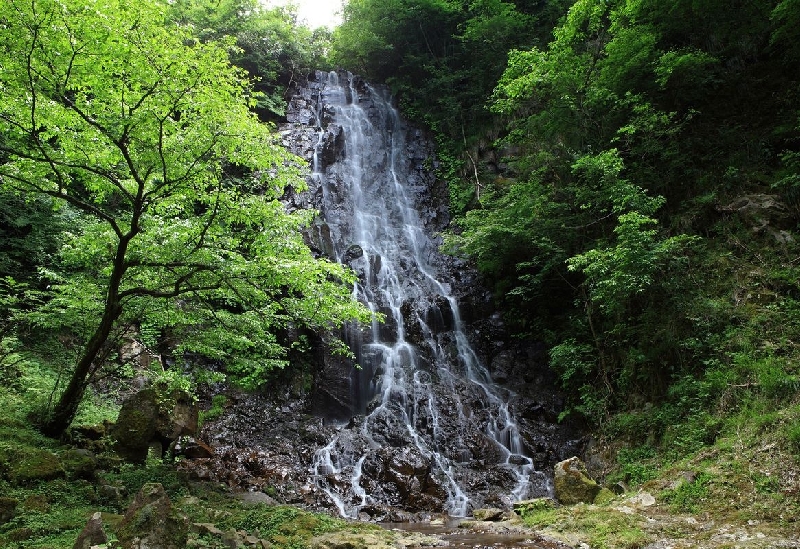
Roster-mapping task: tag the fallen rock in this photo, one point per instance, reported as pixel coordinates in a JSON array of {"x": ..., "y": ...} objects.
[
  {"x": 144, "y": 419},
  {"x": 206, "y": 528},
  {"x": 642, "y": 499},
  {"x": 572, "y": 483},
  {"x": 190, "y": 448},
  {"x": 92, "y": 534},
  {"x": 79, "y": 463},
  {"x": 490, "y": 514},
  {"x": 151, "y": 523}
]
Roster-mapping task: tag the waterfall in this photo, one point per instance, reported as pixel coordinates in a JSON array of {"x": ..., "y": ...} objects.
[{"x": 429, "y": 424}]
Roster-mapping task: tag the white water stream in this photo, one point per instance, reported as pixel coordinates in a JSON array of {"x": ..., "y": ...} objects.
[{"x": 376, "y": 229}]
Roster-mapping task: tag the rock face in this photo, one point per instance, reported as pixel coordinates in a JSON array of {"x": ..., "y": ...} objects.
[
  {"x": 151, "y": 523},
  {"x": 417, "y": 424},
  {"x": 572, "y": 483}
]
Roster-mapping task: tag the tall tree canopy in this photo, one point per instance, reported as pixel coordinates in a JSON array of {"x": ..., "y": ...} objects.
[
  {"x": 597, "y": 151},
  {"x": 110, "y": 110},
  {"x": 270, "y": 45}
]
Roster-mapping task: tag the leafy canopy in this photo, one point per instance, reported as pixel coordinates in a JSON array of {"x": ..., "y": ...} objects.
[{"x": 112, "y": 111}]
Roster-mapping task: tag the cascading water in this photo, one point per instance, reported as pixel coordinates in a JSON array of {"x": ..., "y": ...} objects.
[{"x": 429, "y": 422}]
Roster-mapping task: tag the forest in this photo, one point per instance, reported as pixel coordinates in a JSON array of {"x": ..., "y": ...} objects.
[
  {"x": 627, "y": 182},
  {"x": 623, "y": 174}
]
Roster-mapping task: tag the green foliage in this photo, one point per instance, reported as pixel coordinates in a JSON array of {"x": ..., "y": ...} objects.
[
  {"x": 637, "y": 464},
  {"x": 215, "y": 411},
  {"x": 270, "y": 45},
  {"x": 597, "y": 526},
  {"x": 133, "y": 477},
  {"x": 793, "y": 437},
  {"x": 166, "y": 234},
  {"x": 622, "y": 136},
  {"x": 689, "y": 495},
  {"x": 286, "y": 526}
]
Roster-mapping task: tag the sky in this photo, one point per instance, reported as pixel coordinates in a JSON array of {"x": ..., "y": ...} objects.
[{"x": 317, "y": 13}]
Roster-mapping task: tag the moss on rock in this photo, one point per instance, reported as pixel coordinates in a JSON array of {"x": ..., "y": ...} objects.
[{"x": 28, "y": 465}]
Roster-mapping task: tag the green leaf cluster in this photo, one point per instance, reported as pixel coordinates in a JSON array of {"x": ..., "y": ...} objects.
[
  {"x": 121, "y": 115},
  {"x": 627, "y": 184}
]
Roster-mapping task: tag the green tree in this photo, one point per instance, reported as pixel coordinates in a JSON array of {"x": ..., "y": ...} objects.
[
  {"x": 109, "y": 109},
  {"x": 271, "y": 46}
]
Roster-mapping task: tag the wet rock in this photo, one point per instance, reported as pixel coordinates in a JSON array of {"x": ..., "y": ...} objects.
[
  {"x": 332, "y": 144},
  {"x": 190, "y": 448},
  {"x": 353, "y": 252},
  {"x": 572, "y": 483},
  {"x": 151, "y": 523},
  {"x": 92, "y": 534}
]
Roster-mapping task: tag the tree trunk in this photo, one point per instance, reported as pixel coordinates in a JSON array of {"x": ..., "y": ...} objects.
[{"x": 66, "y": 408}]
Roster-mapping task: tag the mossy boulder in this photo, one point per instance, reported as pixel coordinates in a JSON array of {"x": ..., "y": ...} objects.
[
  {"x": 528, "y": 507},
  {"x": 151, "y": 522},
  {"x": 572, "y": 483},
  {"x": 29, "y": 465},
  {"x": 148, "y": 418},
  {"x": 8, "y": 509},
  {"x": 489, "y": 514},
  {"x": 37, "y": 503},
  {"x": 79, "y": 464},
  {"x": 136, "y": 426}
]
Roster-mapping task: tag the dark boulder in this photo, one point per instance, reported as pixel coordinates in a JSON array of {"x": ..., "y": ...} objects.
[
  {"x": 145, "y": 418},
  {"x": 151, "y": 523},
  {"x": 8, "y": 509},
  {"x": 92, "y": 534}
]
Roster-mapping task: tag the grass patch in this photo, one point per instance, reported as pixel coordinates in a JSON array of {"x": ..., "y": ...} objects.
[
  {"x": 599, "y": 526},
  {"x": 688, "y": 496}
]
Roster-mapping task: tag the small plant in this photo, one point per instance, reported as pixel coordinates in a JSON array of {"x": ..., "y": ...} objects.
[
  {"x": 687, "y": 496},
  {"x": 793, "y": 437},
  {"x": 216, "y": 410},
  {"x": 638, "y": 464}
]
